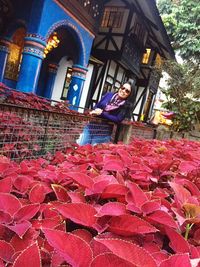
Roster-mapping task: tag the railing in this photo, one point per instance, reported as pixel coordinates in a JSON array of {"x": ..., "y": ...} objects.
[
  {"x": 31, "y": 133},
  {"x": 27, "y": 132}
]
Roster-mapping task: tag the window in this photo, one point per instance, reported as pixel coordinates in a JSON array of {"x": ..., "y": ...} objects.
[
  {"x": 15, "y": 55},
  {"x": 112, "y": 17},
  {"x": 66, "y": 83},
  {"x": 139, "y": 31}
]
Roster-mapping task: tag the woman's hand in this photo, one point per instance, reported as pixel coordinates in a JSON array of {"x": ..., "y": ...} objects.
[{"x": 97, "y": 111}]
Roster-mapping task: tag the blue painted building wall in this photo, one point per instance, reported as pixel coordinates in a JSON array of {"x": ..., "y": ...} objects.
[{"x": 41, "y": 19}]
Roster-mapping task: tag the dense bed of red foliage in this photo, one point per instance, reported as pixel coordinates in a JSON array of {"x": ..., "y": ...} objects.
[{"x": 105, "y": 205}]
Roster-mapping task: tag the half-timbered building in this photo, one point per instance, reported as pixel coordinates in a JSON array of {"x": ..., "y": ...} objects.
[{"x": 77, "y": 50}]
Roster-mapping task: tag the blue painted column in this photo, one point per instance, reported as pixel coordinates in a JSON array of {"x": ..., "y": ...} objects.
[
  {"x": 76, "y": 86},
  {"x": 31, "y": 63},
  {"x": 4, "y": 50},
  {"x": 52, "y": 71}
]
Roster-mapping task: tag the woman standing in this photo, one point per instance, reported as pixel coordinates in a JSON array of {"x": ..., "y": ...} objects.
[{"x": 114, "y": 107}]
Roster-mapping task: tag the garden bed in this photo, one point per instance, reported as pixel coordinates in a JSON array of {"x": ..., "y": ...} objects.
[{"x": 105, "y": 205}]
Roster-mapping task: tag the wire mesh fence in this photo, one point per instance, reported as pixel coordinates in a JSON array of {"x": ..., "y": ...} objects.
[{"x": 29, "y": 133}]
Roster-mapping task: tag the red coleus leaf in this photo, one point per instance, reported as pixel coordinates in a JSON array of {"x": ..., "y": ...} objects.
[
  {"x": 19, "y": 244},
  {"x": 5, "y": 185},
  {"x": 61, "y": 193},
  {"x": 47, "y": 223},
  {"x": 151, "y": 206},
  {"x": 5, "y": 217},
  {"x": 125, "y": 156},
  {"x": 9, "y": 203},
  {"x": 110, "y": 260},
  {"x": 187, "y": 166},
  {"x": 74, "y": 249},
  {"x": 83, "y": 234},
  {"x": 127, "y": 225},
  {"x": 114, "y": 191},
  {"x": 26, "y": 212},
  {"x": 163, "y": 217},
  {"x": 194, "y": 190},
  {"x": 6, "y": 251},
  {"x": 97, "y": 188},
  {"x": 138, "y": 197},
  {"x": 160, "y": 256},
  {"x": 20, "y": 228},
  {"x": 114, "y": 165},
  {"x": 57, "y": 259},
  {"x": 29, "y": 257},
  {"x": 177, "y": 260},
  {"x": 22, "y": 183},
  {"x": 112, "y": 209},
  {"x": 80, "y": 213},
  {"x": 81, "y": 178},
  {"x": 77, "y": 197},
  {"x": 182, "y": 194},
  {"x": 177, "y": 241},
  {"x": 129, "y": 252},
  {"x": 37, "y": 194}
]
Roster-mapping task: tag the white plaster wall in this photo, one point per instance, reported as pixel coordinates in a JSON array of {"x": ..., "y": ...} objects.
[
  {"x": 137, "y": 108},
  {"x": 60, "y": 78},
  {"x": 86, "y": 87}
]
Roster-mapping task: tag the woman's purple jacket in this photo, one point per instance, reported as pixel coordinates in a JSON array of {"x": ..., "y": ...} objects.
[{"x": 116, "y": 115}]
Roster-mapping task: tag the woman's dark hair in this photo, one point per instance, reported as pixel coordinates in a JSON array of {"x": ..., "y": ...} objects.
[
  {"x": 130, "y": 101},
  {"x": 132, "y": 94}
]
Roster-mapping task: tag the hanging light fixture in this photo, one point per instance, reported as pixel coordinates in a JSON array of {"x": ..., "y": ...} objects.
[
  {"x": 52, "y": 43},
  {"x": 146, "y": 56}
]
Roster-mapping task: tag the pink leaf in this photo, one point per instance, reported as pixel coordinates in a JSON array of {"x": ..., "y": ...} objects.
[
  {"x": 177, "y": 260},
  {"x": 37, "y": 194},
  {"x": 47, "y": 223},
  {"x": 20, "y": 228},
  {"x": 81, "y": 178},
  {"x": 6, "y": 251},
  {"x": 113, "y": 165},
  {"x": 83, "y": 234},
  {"x": 5, "y": 217},
  {"x": 177, "y": 241},
  {"x": 76, "y": 197},
  {"x": 160, "y": 256},
  {"x": 128, "y": 225},
  {"x": 112, "y": 209},
  {"x": 129, "y": 252},
  {"x": 61, "y": 193},
  {"x": 22, "y": 183},
  {"x": 57, "y": 260},
  {"x": 9, "y": 203},
  {"x": 150, "y": 206},
  {"x": 187, "y": 166},
  {"x": 163, "y": 218},
  {"x": 5, "y": 185},
  {"x": 110, "y": 260},
  {"x": 79, "y": 212},
  {"x": 181, "y": 193},
  {"x": 20, "y": 244},
  {"x": 74, "y": 249},
  {"x": 192, "y": 187},
  {"x": 138, "y": 196},
  {"x": 29, "y": 257},
  {"x": 114, "y": 190},
  {"x": 97, "y": 188},
  {"x": 26, "y": 212}
]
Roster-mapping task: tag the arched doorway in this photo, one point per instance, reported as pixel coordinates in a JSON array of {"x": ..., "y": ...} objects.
[
  {"x": 14, "y": 58},
  {"x": 64, "y": 56}
]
